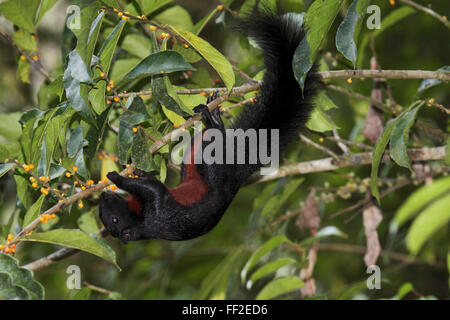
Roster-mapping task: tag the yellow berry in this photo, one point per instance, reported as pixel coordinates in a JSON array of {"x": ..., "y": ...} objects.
[
  {"x": 220, "y": 7},
  {"x": 34, "y": 185},
  {"x": 80, "y": 204},
  {"x": 75, "y": 182},
  {"x": 120, "y": 14},
  {"x": 108, "y": 101},
  {"x": 74, "y": 168},
  {"x": 31, "y": 166},
  {"x": 135, "y": 130},
  {"x": 116, "y": 99},
  {"x": 203, "y": 93},
  {"x": 83, "y": 188},
  {"x": 10, "y": 237},
  {"x": 68, "y": 174},
  {"x": 2, "y": 247},
  {"x": 321, "y": 139},
  {"x": 35, "y": 58},
  {"x": 23, "y": 58},
  {"x": 392, "y": 2},
  {"x": 111, "y": 84},
  {"x": 153, "y": 28},
  {"x": 349, "y": 80},
  {"x": 90, "y": 182},
  {"x": 186, "y": 46},
  {"x": 102, "y": 74},
  {"x": 32, "y": 179},
  {"x": 44, "y": 191},
  {"x": 108, "y": 88}
]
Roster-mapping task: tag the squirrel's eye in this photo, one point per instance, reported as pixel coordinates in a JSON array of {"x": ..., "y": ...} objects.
[{"x": 115, "y": 220}]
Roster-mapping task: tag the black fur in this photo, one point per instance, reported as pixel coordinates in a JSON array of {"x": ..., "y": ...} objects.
[{"x": 280, "y": 105}]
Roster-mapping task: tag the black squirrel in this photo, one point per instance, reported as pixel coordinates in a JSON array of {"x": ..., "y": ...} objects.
[{"x": 197, "y": 204}]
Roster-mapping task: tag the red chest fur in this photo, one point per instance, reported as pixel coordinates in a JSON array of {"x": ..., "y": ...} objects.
[
  {"x": 193, "y": 188},
  {"x": 134, "y": 204}
]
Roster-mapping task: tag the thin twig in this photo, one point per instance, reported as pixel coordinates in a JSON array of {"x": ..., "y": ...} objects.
[
  {"x": 400, "y": 257},
  {"x": 319, "y": 147},
  {"x": 356, "y": 159},
  {"x": 33, "y": 63},
  {"x": 350, "y": 143},
  {"x": 432, "y": 13}
]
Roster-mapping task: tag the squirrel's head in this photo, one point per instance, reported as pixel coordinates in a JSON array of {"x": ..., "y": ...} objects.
[{"x": 117, "y": 218}]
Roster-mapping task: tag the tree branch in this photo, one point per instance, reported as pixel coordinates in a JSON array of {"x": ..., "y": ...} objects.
[
  {"x": 356, "y": 159},
  {"x": 432, "y": 13},
  {"x": 33, "y": 63}
]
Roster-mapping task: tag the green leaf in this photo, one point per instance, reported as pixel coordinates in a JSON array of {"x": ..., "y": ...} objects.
[
  {"x": 95, "y": 135},
  {"x": 97, "y": 94},
  {"x": 74, "y": 238},
  {"x": 83, "y": 294},
  {"x": 121, "y": 67},
  {"x": 5, "y": 167},
  {"x": 9, "y": 150},
  {"x": 81, "y": 164},
  {"x": 137, "y": 44},
  {"x": 20, "y": 12},
  {"x": 40, "y": 134},
  {"x": 265, "y": 248},
  {"x": 140, "y": 151},
  {"x": 75, "y": 142},
  {"x": 88, "y": 223},
  {"x": 418, "y": 200},
  {"x": 399, "y": 138},
  {"x": 87, "y": 31},
  {"x": 23, "y": 71},
  {"x": 24, "y": 40},
  {"x": 45, "y": 6},
  {"x": 34, "y": 211},
  {"x": 57, "y": 87},
  {"x": 318, "y": 20},
  {"x": 403, "y": 291},
  {"x": 163, "y": 62},
  {"x": 323, "y": 233},
  {"x": 279, "y": 287},
  {"x": 210, "y": 54},
  {"x": 428, "y": 83},
  {"x": 377, "y": 156},
  {"x": 276, "y": 202},
  {"x": 164, "y": 93},
  {"x": 431, "y": 219},
  {"x": 176, "y": 16},
  {"x": 16, "y": 282},
  {"x": 134, "y": 115},
  {"x": 349, "y": 29},
  {"x": 23, "y": 191},
  {"x": 218, "y": 278},
  {"x": 76, "y": 73},
  {"x": 203, "y": 22},
  {"x": 150, "y": 6},
  {"x": 268, "y": 269},
  {"x": 10, "y": 126},
  {"x": 319, "y": 120}
]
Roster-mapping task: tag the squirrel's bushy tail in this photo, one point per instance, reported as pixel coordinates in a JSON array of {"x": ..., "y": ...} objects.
[{"x": 281, "y": 104}]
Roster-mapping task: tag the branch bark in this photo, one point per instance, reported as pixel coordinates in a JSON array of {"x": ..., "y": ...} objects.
[{"x": 356, "y": 159}]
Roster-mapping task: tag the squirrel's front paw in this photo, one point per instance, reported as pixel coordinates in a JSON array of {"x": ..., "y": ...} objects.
[{"x": 114, "y": 176}]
